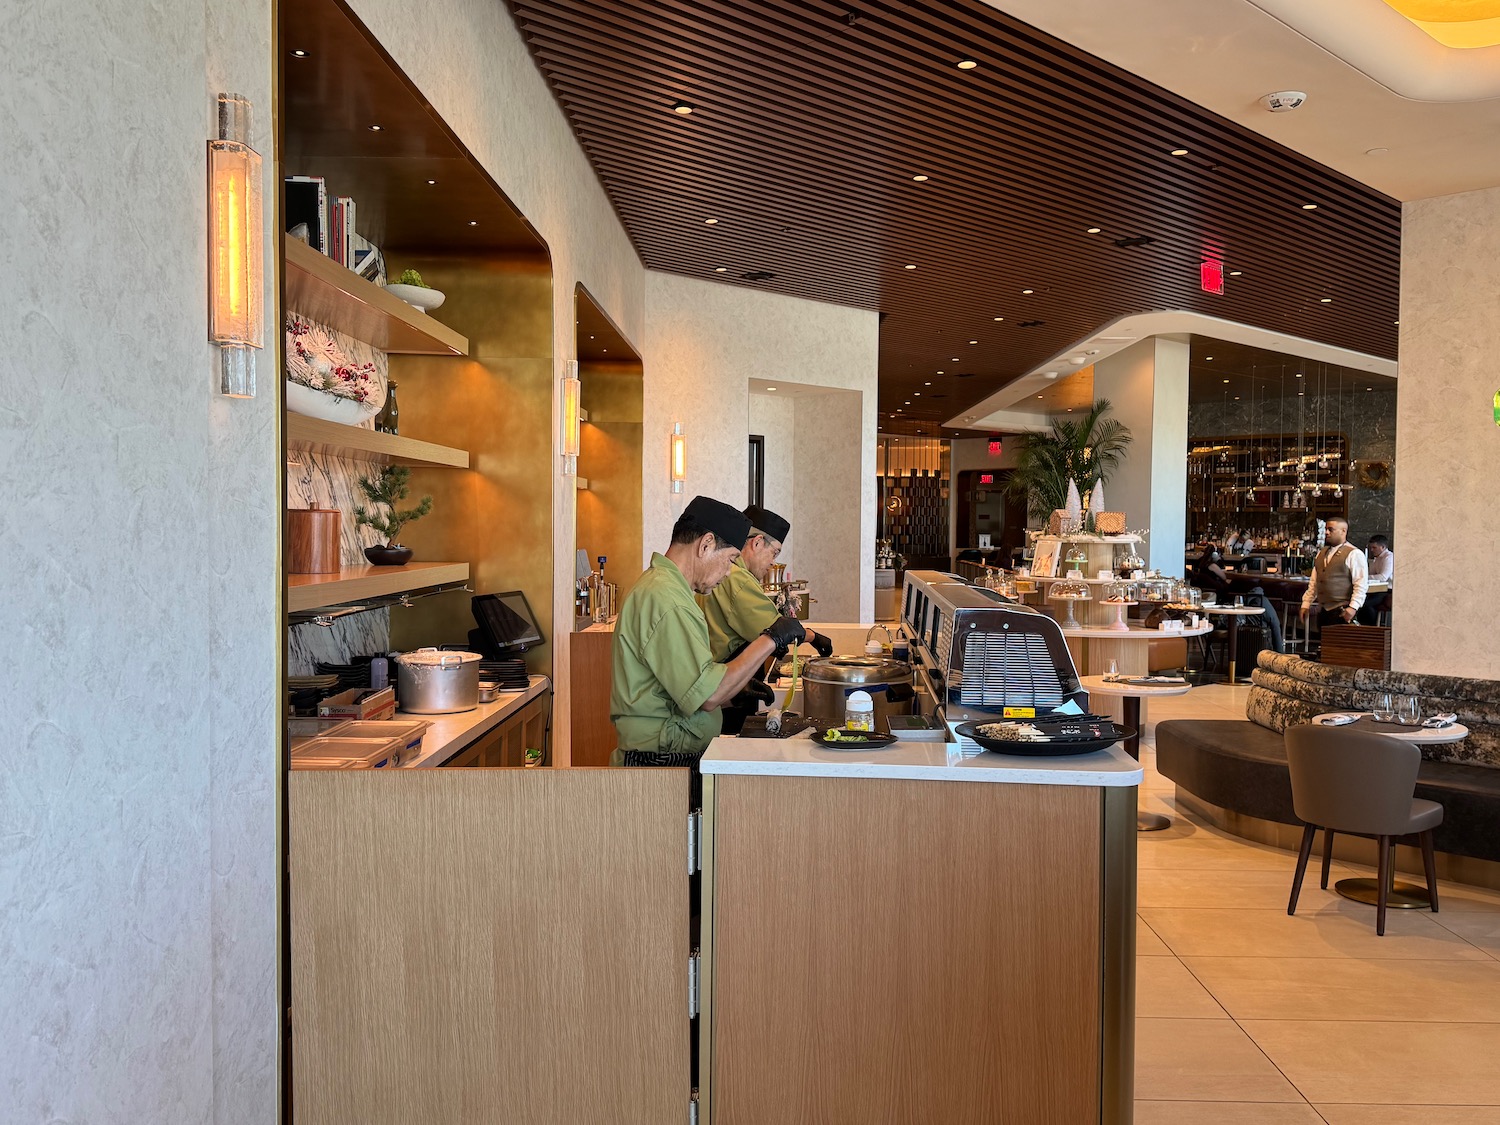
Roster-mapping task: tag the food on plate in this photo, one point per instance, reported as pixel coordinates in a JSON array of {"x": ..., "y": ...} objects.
[{"x": 1011, "y": 732}]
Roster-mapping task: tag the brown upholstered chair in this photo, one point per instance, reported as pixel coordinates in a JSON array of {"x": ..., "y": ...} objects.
[{"x": 1362, "y": 784}]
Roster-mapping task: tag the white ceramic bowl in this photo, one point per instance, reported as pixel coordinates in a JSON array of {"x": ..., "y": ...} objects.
[
  {"x": 330, "y": 408},
  {"x": 417, "y": 297}
]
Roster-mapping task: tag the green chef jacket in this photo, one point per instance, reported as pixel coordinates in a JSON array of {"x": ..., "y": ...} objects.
[
  {"x": 663, "y": 668},
  {"x": 737, "y": 611}
]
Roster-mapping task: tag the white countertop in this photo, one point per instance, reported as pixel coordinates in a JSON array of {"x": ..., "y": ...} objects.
[
  {"x": 915, "y": 761},
  {"x": 1133, "y": 633},
  {"x": 451, "y": 733}
]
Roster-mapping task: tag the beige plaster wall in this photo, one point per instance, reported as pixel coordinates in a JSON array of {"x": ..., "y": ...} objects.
[
  {"x": 1447, "y": 444},
  {"x": 138, "y": 783},
  {"x": 704, "y": 343},
  {"x": 471, "y": 63}
]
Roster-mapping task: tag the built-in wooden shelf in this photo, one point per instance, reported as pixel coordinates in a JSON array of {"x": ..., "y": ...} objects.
[
  {"x": 355, "y": 443},
  {"x": 354, "y": 583},
  {"x": 322, "y": 290}
]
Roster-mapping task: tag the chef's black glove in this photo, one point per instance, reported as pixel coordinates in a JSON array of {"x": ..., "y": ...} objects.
[
  {"x": 821, "y": 644},
  {"x": 752, "y": 695},
  {"x": 787, "y": 632}
]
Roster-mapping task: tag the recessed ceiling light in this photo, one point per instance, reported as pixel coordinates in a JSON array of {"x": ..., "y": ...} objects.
[
  {"x": 374, "y": 128},
  {"x": 770, "y": 388},
  {"x": 916, "y": 394},
  {"x": 303, "y": 55},
  {"x": 1027, "y": 292},
  {"x": 928, "y": 384},
  {"x": 1179, "y": 152},
  {"x": 1040, "y": 396},
  {"x": 955, "y": 359},
  {"x": 908, "y": 402},
  {"x": 939, "y": 372},
  {"x": 919, "y": 179},
  {"x": 1078, "y": 359},
  {"x": 973, "y": 341},
  {"x": 710, "y": 222},
  {"x": 998, "y": 319},
  {"x": 1301, "y": 392},
  {"x": 1235, "y": 273},
  {"x": 1299, "y": 374},
  {"x": 910, "y": 267},
  {"x": 1326, "y": 300},
  {"x": 967, "y": 64},
  {"x": 1309, "y": 207},
  {"x": 1093, "y": 351},
  {"x": 1092, "y": 230},
  {"x": 1049, "y": 374},
  {"x": 721, "y": 269},
  {"x": 431, "y": 182},
  {"x": 1395, "y": 322},
  {"x": 682, "y": 107},
  {"x": 1208, "y": 358},
  {"x": 473, "y": 222},
  {"x": 1226, "y": 380},
  {"x": 1369, "y": 388},
  {"x": 1376, "y": 151}
]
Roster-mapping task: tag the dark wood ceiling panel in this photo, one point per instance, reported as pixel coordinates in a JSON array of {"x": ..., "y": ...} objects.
[{"x": 811, "y": 118}]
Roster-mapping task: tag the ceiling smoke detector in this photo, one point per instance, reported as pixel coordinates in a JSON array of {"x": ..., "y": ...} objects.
[{"x": 1284, "y": 101}]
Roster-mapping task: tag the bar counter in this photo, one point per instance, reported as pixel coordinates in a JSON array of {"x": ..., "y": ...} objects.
[{"x": 884, "y": 942}]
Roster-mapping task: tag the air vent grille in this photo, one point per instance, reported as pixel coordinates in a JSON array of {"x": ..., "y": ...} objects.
[{"x": 1009, "y": 670}]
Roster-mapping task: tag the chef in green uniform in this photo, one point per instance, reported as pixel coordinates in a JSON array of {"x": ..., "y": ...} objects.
[
  {"x": 667, "y": 688},
  {"x": 739, "y": 609}
]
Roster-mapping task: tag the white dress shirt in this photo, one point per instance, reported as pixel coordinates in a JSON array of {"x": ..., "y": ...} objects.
[
  {"x": 1359, "y": 577},
  {"x": 1383, "y": 569}
]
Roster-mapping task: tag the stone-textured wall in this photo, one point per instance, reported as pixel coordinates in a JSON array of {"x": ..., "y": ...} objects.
[
  {"x": 138, "y": 784},
  {"x": 1368, "y": 419},
  {"x": 704, "y": 343},
  {"x": 1447, "y": 444}
]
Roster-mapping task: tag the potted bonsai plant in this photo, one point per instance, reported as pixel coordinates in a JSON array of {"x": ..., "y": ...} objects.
[
  {"x": 415, "y": 292},
  {"x": 390, "y": 486}
]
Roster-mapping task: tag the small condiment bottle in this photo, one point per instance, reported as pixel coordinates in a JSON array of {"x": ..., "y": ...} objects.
[{"x": 859, "y": 711}]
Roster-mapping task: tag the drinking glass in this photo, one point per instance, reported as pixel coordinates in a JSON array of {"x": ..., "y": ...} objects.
[
  {"x": 1382, "y": 711},
  {"x": 1409, "y": 711},
  {"x": 1111, "y": 668},
  {"x": 1239, "y": 599}
]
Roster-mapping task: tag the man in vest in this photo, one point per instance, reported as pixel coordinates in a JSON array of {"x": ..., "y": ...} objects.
[{"x": 1340, "y": 577}]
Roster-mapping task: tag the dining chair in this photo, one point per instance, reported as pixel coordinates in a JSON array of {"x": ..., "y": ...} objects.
[{"x": 1362, "y": 784}]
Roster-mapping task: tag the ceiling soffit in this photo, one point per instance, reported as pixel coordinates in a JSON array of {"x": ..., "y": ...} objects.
[{"x": 810, "y": 122}]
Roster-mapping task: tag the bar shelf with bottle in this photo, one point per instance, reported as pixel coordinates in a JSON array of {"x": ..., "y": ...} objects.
[{"x": 1268, "y": 484}]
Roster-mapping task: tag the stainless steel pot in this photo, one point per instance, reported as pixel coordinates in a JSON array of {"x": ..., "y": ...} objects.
[
  {"x": 432, "y": 682},
  {"x": 828, "y": 682}
]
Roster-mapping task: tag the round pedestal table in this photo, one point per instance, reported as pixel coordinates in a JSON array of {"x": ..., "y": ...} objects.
[
  {"x": 1132, "y": 694},
  {"x": 1234, "y": 613},
  {"x": 1400, "y": 896}
]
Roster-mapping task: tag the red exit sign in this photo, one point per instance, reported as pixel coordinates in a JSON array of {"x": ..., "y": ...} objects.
[
  {"x": 986, "y": 478},
  {"x": 995, "y": 448},
  {"x": 1211, "y": 276}
]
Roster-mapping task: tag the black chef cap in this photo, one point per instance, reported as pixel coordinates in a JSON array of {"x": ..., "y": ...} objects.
[
  {"x": 763, "y": 519},
  {"x": 718, "y": 517}
]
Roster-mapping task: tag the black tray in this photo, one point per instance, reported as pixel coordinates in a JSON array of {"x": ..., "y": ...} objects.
[
  {"x": 869, "y": 740},
  {"x": 1053, "y": 748}
]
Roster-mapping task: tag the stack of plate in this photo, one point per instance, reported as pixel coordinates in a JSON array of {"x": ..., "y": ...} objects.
[{"x": 509, "y": 674}]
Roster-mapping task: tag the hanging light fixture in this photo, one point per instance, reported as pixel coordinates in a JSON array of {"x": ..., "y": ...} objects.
[{"x": 236, "y": 261}]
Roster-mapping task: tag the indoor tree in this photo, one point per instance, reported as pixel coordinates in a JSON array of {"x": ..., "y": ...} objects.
[{"x": 1086, "y": 448}]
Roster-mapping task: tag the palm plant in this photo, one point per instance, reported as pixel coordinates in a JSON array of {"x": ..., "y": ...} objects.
[{"x": 1084, "y": 449}]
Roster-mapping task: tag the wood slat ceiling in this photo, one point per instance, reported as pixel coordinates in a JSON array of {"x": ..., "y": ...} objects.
[{"x": 811, "y": 119}]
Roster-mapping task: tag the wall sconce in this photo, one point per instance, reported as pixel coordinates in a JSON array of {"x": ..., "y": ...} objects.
[
  {"x": 679, "y": 457},
  {"x": 236, "y": 262},
  {"x": 572, "y": 409}
]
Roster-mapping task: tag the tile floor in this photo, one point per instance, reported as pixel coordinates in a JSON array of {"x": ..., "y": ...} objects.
[{"x": 1246, "y": 1016}]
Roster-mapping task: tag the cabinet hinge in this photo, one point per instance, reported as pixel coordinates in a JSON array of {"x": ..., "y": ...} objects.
[
  {"x": 695, "y": 982},
  {"x": 695, "y": 841},
  {"x": 693, "y": 1107}
]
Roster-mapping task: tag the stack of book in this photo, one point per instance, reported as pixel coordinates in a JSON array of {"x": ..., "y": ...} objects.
[{"x": 329, "y": 228}]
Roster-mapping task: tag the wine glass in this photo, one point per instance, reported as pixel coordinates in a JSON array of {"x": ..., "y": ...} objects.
[
  {"x": 1409, "y": 711},
  {"x": 1111, "y": 669},
  {"x": 1382, "y": 712}
]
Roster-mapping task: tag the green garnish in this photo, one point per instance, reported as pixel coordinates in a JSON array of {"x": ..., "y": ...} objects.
[{"x": 834, "y": 734}]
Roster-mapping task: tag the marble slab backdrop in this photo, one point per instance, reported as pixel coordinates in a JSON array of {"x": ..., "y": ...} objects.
[{"x": 315, "y": 480}]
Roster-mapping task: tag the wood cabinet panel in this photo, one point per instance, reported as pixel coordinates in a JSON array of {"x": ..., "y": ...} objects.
[
  {"x": 489, "y": 947},
  {"x": 904, "y": 952},
  {"x": 506, "y": 744},
  {"x": 590, "y": 665}
]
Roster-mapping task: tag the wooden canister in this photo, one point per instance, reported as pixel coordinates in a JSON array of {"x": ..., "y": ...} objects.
[{"x": 312, "y": 540}]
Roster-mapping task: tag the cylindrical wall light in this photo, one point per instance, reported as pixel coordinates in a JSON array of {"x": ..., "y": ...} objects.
[
  {"x": 236, "y": 281},
  {"x": 572, "y": 409},
  {"x": 679, "y": 457}
]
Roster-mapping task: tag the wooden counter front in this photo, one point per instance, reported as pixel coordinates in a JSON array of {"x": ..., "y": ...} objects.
[{"x": 910, "y": 952}]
